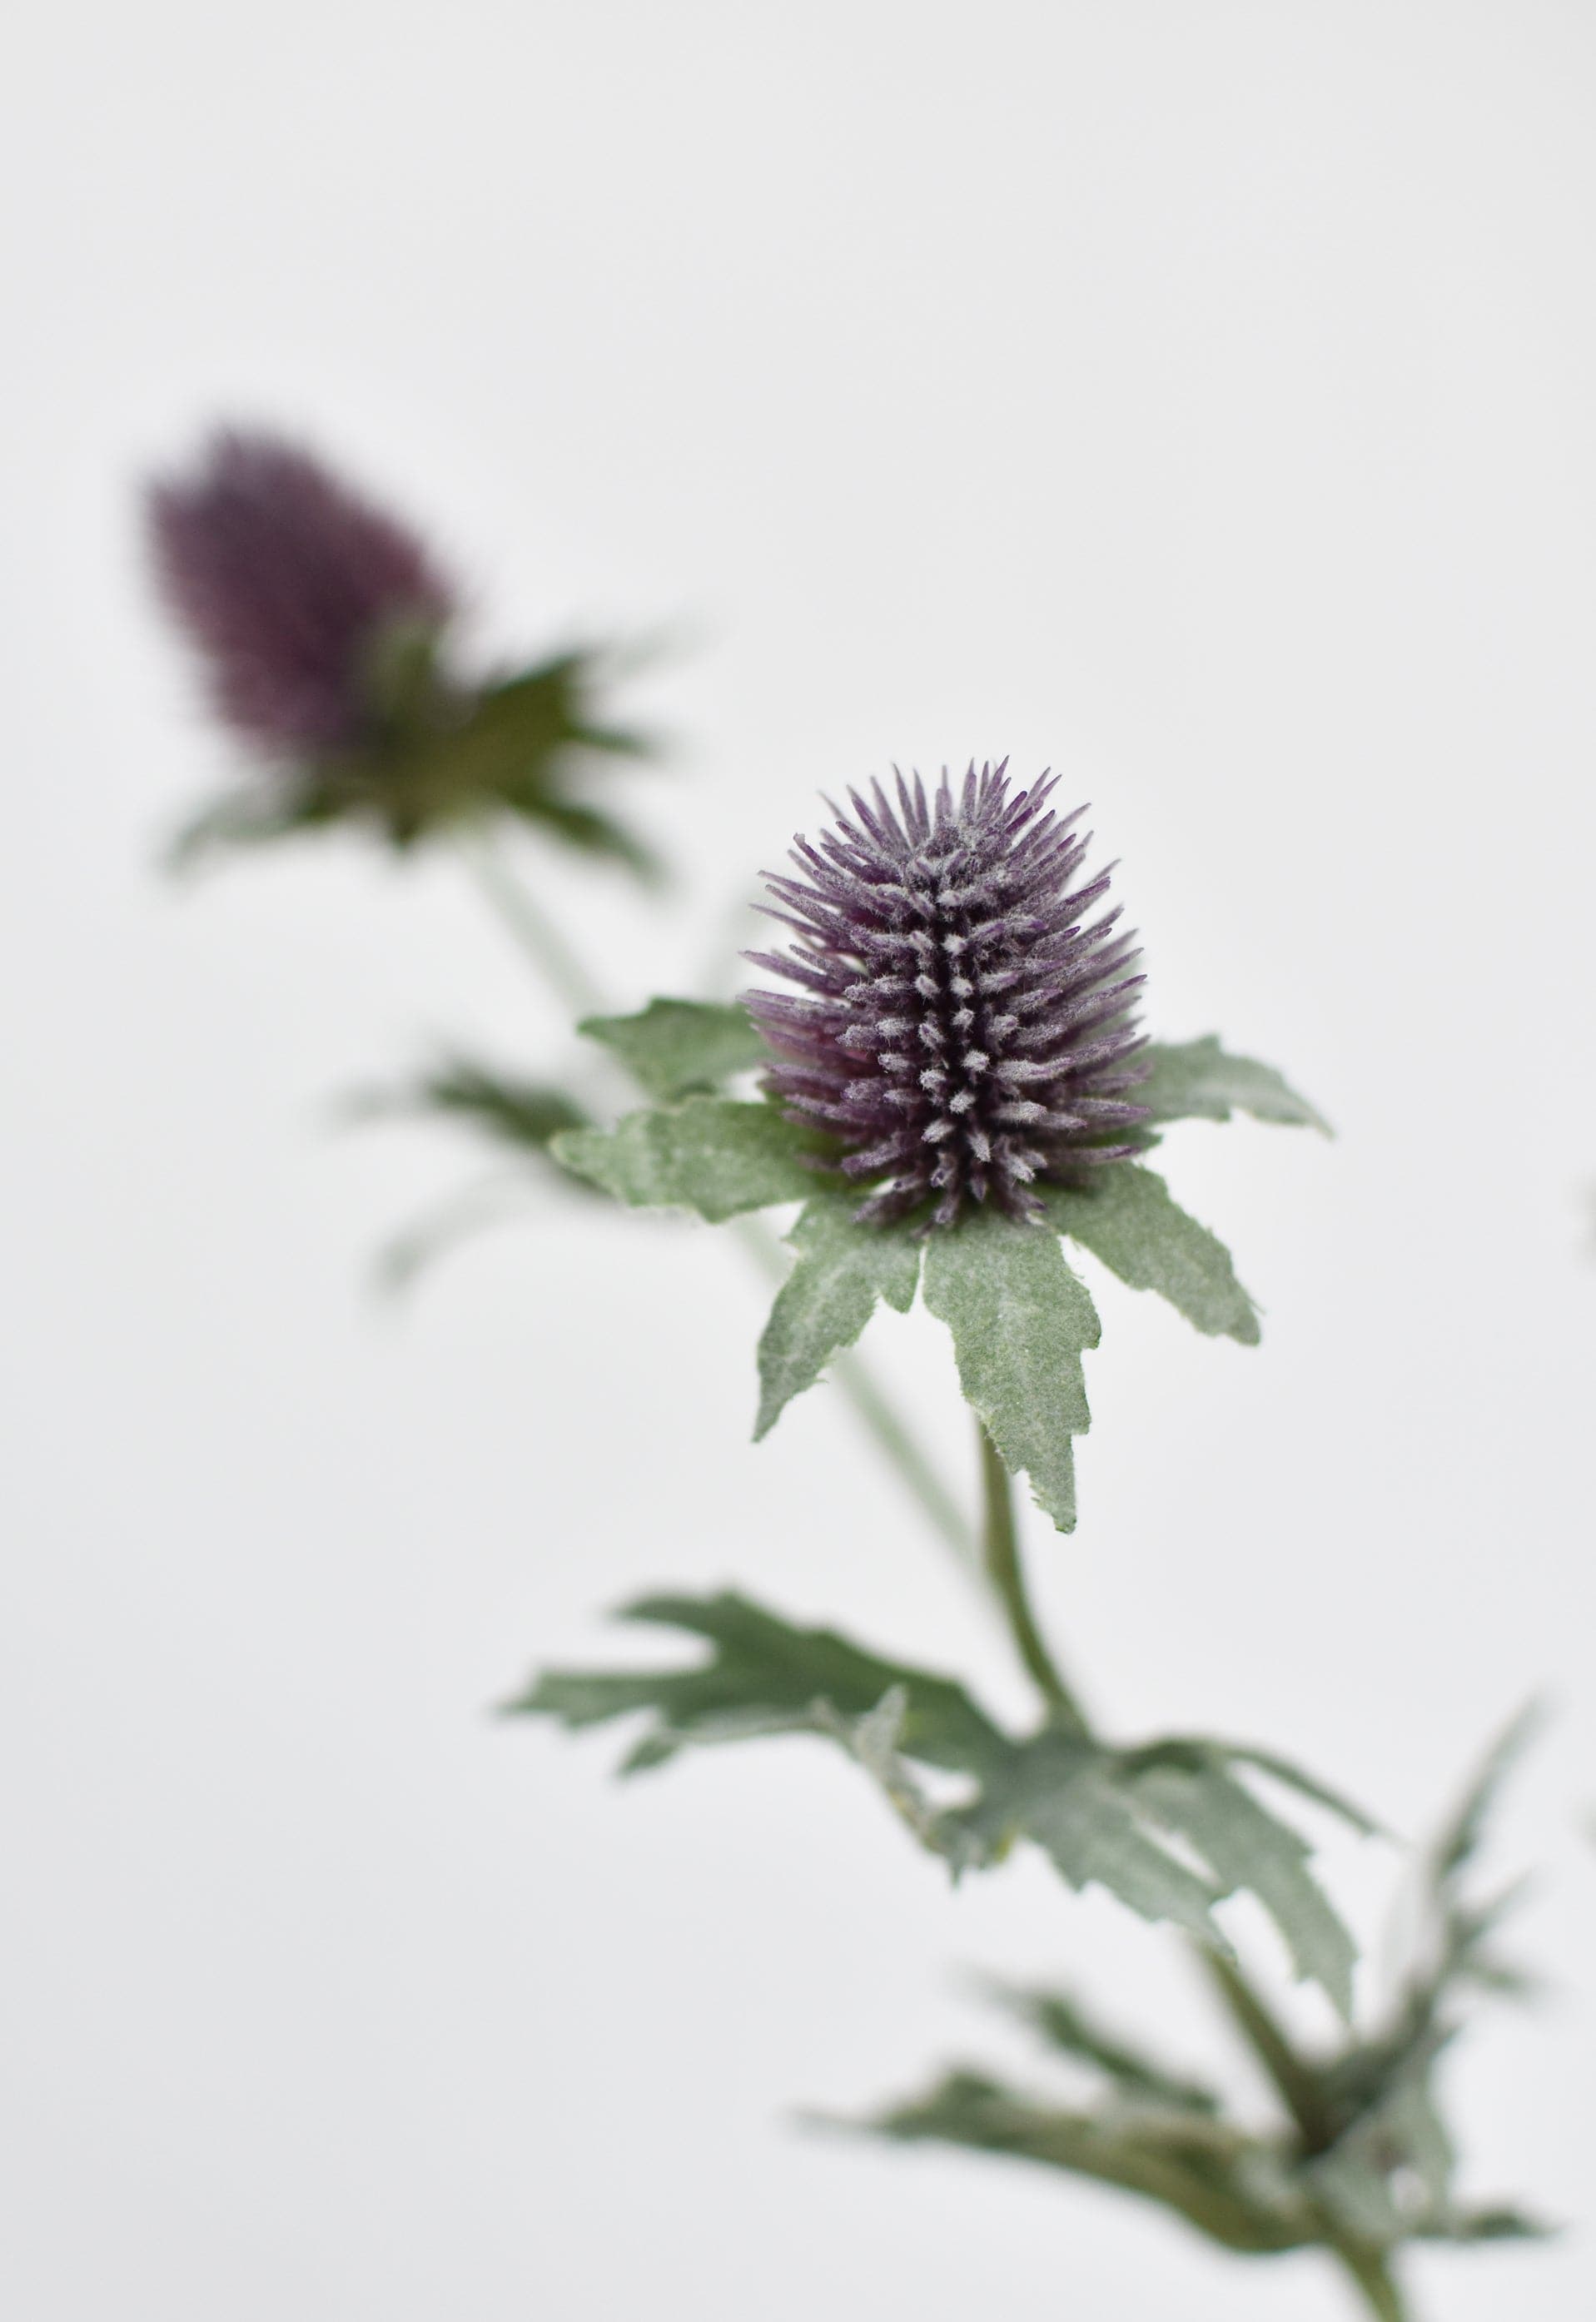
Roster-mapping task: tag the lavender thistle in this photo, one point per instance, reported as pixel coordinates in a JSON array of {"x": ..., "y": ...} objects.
[
  {"x": 963, "y": 1031},
  {"x": 286, "y": 582}
]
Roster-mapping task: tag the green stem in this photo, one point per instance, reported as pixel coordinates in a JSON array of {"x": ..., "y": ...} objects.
[
  {"x": 548, "y": 953},
  {"x": 1000, "y": 1557},
  {"x": 1299, "y": 2089},
  {"x": 526, "y": 923},
  {"x": 876, "y": 1413},
  {"x": 1293, "y": 2081}
]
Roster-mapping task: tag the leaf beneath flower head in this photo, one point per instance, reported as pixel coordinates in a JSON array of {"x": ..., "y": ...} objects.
[
  {"x": 829, "y": 1296},
  {"x": 712, "y": 1155},
  {"x": 1020, "y": 1320},
  {"x": 1125, "y": 1216},
  {"x": 1197, "y": 1081},
  {"x": 675, "y": 1048}
]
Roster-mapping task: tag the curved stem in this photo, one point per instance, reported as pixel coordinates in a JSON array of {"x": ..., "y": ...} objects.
[
  {"x": 1000, "y": 1556},
  {"x": 547, "y": 952},
  {"x": 876, "y": 1413},
  {"x": 527, "y": 925}
]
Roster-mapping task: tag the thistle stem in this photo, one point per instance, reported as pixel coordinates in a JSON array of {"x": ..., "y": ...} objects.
[
  {"x": 1000, "y": 1558},
  {"x": 876, "y": 1413},
  {"x": 528, "y": 925},
  {"x": 551, "y": 957}
]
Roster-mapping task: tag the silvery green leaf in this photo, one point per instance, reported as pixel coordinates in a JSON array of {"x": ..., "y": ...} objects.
[
  {"x": 1197, "y": 1081},
  {"x": 1020, "y": 1320},
  {"x": 764, "y": 1675},
  {"x": 1125, "y": 1216},
  {"x": 675, "y": 1048},
  {"x": 1245, "y": 1848},
  {"x": 829, "y": 1296},
  {"x": 876, "y": 1742},
  {"x": 712, "y": 1155},
  {"x": 1062, "y": 1792}
]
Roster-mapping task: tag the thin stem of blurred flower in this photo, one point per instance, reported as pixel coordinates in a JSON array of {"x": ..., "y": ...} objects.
[
  {"x": 876, "y": 1413},
  {"x": 529, "y": 926},
  {"x": 549, "y": 955},
  {"x": 1000, "y": 1559}
]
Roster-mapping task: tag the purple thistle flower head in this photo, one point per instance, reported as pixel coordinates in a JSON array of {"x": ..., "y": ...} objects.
[
  {"x": 286, "y": 582},
  {"x": 965, "y": 1026}
]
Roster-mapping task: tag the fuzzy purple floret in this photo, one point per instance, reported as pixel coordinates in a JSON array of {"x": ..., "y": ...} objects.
[
  {"x": 284, "y": 579},
  {"x": 963, "y": 1028}
]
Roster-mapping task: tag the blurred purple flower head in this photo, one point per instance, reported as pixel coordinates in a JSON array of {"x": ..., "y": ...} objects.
[
  {"x": 963, "y": 1030},
  {"x": 286, "y": 582}
]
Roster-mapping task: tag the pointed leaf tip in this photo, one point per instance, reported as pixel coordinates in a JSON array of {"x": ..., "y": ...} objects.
[
  {"x": 1020, "y": 1320},
  {"x": 827, "y": 1299}
]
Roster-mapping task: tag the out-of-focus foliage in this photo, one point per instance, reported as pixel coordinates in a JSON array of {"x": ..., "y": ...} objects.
[{"x": 1359, "y": 2161}]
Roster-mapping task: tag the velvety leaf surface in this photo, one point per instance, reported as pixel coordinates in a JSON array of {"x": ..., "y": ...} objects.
[
  {"x": 675, "y": 1048},
  {"x": 764, "y": 1675},
  {"x": 1197, "y": 1081},
  {"x": 1020, "y": 1320},
  {"x": 1125, "y": 1216},
  {"x": 831, "y": 1293},
  {"x": 1102, "y": 1816},
  {"x": 712, "y": 1155},
  {"x": 1247, "y": 1847}
]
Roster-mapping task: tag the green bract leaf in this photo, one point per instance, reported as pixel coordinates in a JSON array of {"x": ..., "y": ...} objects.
[
  {"x": 711, "y": 1154},
  {"x": 680, "y": 1047},
  {"x": 1196, "y": 1081},
  {"x": 1125, "y": 1216},
  {"x": 1020, "y": 1320},
  {"x": 829, "y": 1296}
]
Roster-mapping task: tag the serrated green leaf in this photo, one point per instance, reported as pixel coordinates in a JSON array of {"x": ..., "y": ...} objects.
[
  {"x": 711, "y": 1153},
  {"x": 1126, "y": 1216},
  {"x": 1247, "y": 1847},
  {"x": 1020, "y": 1320},
  {"x": 1214, "y": 2176},
  {"x": 675, "y": 1048},
  {"x": 1061, "y": 1792},
  {"x": 1061, "y": 2019},
  {"x": 829, "y": 1296},
  {"x": 764, "y": 1675},
  {"x": 1197, "y": 1081}
]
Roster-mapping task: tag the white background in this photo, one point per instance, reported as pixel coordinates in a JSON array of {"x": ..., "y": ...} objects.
[{"x": 1196, "y": 397}]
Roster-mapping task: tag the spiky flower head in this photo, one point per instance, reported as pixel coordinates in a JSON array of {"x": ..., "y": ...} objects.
[
  {"x": 965, "y": 1026},
  {"x": 287, "y": 583}
]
